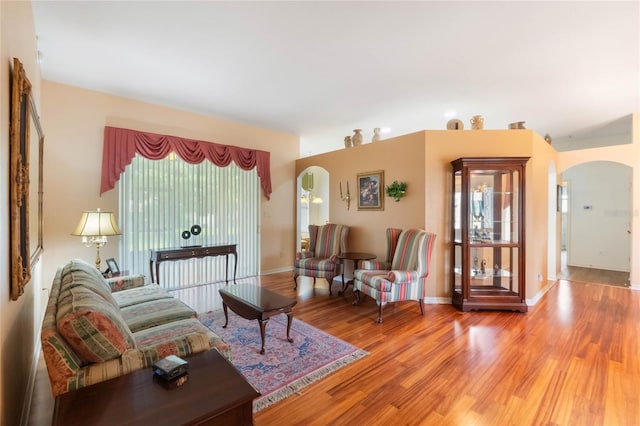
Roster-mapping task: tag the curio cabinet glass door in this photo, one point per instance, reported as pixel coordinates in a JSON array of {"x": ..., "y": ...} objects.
[{"x": 488, "y": 233}]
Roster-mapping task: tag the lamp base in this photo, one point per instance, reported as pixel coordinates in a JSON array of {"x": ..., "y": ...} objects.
[{"x": 98, "y": 261}]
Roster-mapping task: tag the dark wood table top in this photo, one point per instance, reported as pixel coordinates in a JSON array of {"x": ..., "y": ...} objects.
[
  {"x": 214, "y": 388},
  {"x": 356, "y": 255},
  {"x": 261, "y": 299}
]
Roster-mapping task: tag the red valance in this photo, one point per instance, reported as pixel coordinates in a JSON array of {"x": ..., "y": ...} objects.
[{"x": 120, "y": 145}]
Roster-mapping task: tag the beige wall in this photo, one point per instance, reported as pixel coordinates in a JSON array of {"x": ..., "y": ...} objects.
[
  {"x": 423, "y": 159},
  {"x": 17, "y": 325},
  {"x": 74, "y": 121},
  {"x": 367, "y": 228},
  {"x": 443, "y": 147}
]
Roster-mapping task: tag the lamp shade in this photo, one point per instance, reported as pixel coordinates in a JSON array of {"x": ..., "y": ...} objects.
[{"x": 97, "y": 223}]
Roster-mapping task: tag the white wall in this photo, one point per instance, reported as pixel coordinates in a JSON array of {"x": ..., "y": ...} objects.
[
  {"x": 599, "y": 215},
  {"x": 628, "y": 154}
]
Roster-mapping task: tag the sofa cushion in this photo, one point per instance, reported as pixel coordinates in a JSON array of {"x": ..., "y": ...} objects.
[
  {"x": 137, "y": 295},
  {"x": 125, "y": 282},
  {"x": 181, "y": 338},
  {"x": 93, "y": 328},
  {"x": 315, "y": 264},
  {"x": 156, "y": 312},
  {"x": 78, "y": 273}
]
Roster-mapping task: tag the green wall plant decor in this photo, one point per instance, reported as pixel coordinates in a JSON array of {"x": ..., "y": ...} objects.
[{"x": 396, "y": 190}]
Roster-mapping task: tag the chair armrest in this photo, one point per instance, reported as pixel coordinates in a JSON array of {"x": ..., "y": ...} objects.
[
  {"x": 375, "y": 265},
  {"x": 125, "y": 282},
  {"x": 402, "y": 277},
  {"x": 304, "y": 254}
]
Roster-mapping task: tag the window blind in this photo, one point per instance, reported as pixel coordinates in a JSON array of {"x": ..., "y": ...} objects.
[{"x": 162, "y": 199}]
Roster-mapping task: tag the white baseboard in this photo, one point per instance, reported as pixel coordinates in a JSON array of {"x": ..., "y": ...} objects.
[
  {"x": 277, "y": 270},
  {"x": 28, "y": 398},
  {"x": 437, "y": 300},
  {"x": 537, "y": 297}
]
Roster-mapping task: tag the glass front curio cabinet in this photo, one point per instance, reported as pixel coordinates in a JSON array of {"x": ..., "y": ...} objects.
[{"x": 488, "y": 258}]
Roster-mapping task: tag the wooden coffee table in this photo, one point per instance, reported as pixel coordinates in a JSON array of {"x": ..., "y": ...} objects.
[{"x": 254, "y": 302}]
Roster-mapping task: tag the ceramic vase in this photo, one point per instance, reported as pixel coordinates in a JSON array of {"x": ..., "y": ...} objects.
[
  {"x": 376, "y": 135},
  {"x": 455, "y": 124},
  {"x": 477, "y": 122},
  {"x": 347, "y": 142},
  {"x": 357, "y": 137}
]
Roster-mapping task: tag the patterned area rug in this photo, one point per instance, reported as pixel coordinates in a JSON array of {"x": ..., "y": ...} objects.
[{"x": 285, "y": 368}]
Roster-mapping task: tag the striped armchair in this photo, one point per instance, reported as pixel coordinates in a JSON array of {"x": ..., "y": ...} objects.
[
  {"x": 406, "y": 276},
  {"x": 320, "y": 261}
]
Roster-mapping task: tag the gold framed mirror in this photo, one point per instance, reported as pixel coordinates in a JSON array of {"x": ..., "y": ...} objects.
[{"x": 26, "y": 155}]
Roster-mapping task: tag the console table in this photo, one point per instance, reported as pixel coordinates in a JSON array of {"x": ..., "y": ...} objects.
[
  {"x": 182, "y": 253},
  {"x": 215, "y": 393}
]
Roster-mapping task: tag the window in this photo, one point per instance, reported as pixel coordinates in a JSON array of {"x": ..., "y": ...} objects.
[{"x": 161, "y": 199}]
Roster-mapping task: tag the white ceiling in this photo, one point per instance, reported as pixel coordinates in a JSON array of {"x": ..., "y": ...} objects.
[{"x": 321, "y": 69}]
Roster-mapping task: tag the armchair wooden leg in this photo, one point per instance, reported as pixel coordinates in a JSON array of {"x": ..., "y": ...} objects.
[
  {"x": 295, "y": 282},
  {"x": 380, "y": 306},
  {"x": 330, "y": 281}
]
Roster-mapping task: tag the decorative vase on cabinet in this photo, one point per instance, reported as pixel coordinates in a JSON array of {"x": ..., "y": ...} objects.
[
  {"x": 376, "y": 135},
  {"x": 357, "y": 137},
  {"x": 488, "y": 250}
]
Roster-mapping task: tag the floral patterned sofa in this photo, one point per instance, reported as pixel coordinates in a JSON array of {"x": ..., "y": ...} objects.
[{"x": 96, "y": 329}]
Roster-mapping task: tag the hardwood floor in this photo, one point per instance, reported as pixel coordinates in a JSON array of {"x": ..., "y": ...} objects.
[
  {"x": 573, "y": 359},
  {"x": 599, "y": 276}
]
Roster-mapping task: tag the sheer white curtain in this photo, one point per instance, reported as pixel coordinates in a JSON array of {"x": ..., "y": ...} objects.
[{"x": 160, "y": 199}]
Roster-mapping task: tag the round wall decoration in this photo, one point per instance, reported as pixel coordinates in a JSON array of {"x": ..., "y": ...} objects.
[
  {"x": 196, "y": 229},
  {"x": 186, "y": 235}
]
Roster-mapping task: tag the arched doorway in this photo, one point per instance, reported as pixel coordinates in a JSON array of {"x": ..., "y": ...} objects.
[
  {"x": 312, "y": 202},
  {"x": 597, "y": 222}
]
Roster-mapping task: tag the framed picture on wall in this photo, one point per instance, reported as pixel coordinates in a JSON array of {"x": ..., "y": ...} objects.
[{"x": 370, "y": 190}]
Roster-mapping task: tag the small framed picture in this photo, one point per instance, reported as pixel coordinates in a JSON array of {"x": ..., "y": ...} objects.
[
  {"x": 370, "y": 187},
  {"x": 112, "y": 266}
]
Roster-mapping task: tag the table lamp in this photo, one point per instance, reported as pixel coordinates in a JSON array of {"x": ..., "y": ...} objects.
[{"x": 94, "y": 227}]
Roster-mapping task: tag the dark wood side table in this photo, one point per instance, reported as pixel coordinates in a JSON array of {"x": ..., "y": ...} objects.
[
  {"x": 215, "y": 393},
  {"x": 182, "y": 253},
  {"x": 254, "y": 302},
  {"x": 355, "y": 257}
]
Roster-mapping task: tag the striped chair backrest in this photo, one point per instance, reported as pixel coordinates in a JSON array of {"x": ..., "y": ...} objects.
[
  {"x": 330, "y": 240},
  {"x": 406, "y": 255},
  {"x": 424, "y": 253},
  {"x": 393, "y": 234},
  {"x": 313, "y": 237}
]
